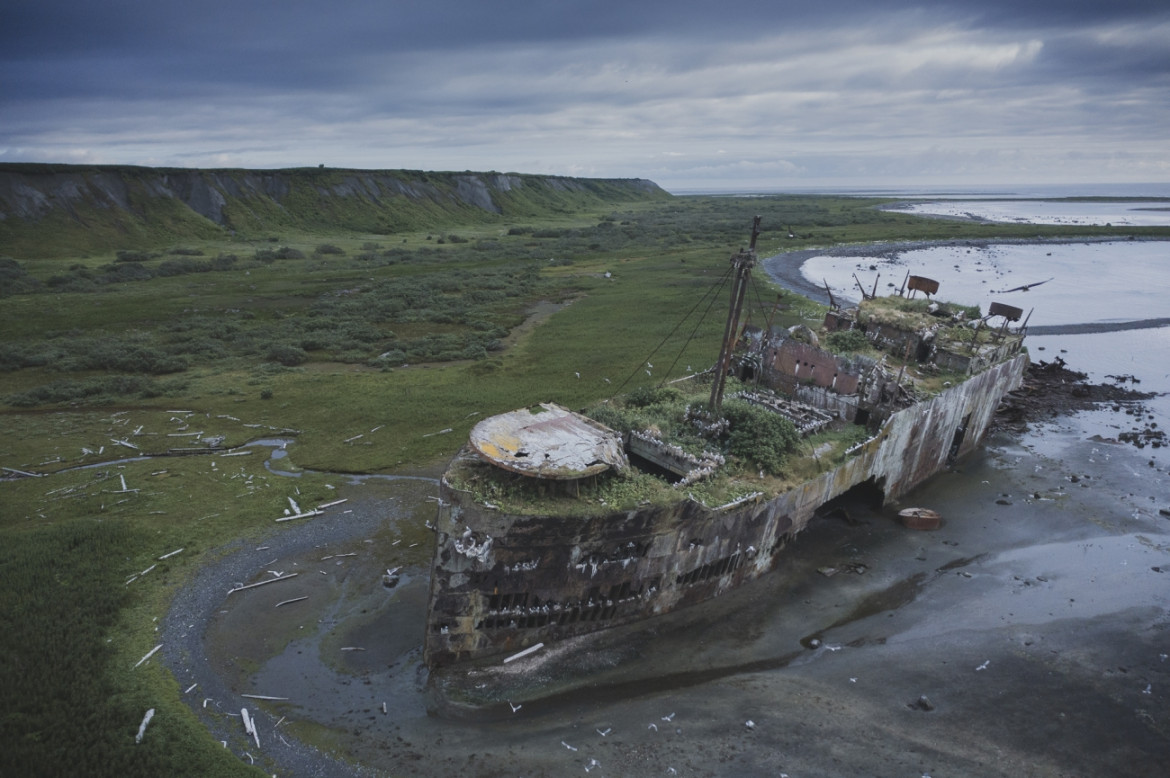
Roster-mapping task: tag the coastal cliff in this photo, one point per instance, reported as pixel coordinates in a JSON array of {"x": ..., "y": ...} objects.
[{"x": 49, "y": 210}]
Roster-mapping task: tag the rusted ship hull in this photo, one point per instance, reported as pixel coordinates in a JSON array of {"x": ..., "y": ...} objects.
[{"x": 501, "y": 583}]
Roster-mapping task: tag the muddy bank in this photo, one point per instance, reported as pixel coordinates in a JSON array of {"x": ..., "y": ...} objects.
[
  {"x": 1033, "y": 623},
  {"x": 226, "y": 645},
  {"x": 1052, "y": 389}
]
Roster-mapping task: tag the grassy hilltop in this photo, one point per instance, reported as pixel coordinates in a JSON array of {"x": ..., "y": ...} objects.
[
  {"x": 376, "y": 338},
  {"x": 64, "y": 210}
]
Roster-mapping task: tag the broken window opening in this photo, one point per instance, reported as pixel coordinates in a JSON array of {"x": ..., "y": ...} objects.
[{"x": 957, "y": 441}]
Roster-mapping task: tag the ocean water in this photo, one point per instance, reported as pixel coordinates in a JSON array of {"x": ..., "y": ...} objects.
[{"x": 1146, "y": 213}]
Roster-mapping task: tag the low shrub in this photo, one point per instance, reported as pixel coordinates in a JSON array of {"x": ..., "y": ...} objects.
[
  {"x": 287, "y": 355},
  {"x": 847, "y": 341},
  {"x": 89, "y": 389},
  {"x": 759, "y": 437}
]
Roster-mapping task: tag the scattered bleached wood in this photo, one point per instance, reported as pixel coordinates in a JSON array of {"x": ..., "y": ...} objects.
[
  {"x": 149, "y": 654},
  {"x": 286, "y": 602},
  {"x": 22, "y": 472},
  {"x": 440, "y": 432},
  {"x": 375, "y": 429},
  {"x": 142, "y": 727},
  {"x": 137, "y": 431},
  {"x": 147, "y": 570},
  {"x": 225, "y": 416},
  {"x": 125, "y": 443},
  {"x": 190, "y": 688},
  {"x": 525, "y": 652},
  {"x": 263, "y": 697},
  {"x": 352, "y": 648},
  {"x": 243, "y": 452},
  {"x": 250, "y": 726},
  {"x": 293, "y": 504},
  {"x": 355, "y": 437},
  {"x": 173, "y": 553},
  {"x": 180, "y": 411},
  {"x": 383, "y": 709},
  {"x": 277, "y": 724},
  {"x": 124, "y": 490},
  {"x": 184, "y": 434},
  {"x": 262, "y": 583},
  {"x": 300, "y": 515},
  {"x": 325, "y": 505}
]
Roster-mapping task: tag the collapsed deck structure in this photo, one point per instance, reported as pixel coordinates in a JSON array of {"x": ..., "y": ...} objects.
[{"x": 528, "y": 549}]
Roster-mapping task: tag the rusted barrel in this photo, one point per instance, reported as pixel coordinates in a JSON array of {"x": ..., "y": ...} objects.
[{"x": 920, "y": 518}]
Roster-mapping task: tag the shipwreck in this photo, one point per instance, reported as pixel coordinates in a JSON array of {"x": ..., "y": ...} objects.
[{"x": 554, "y": 523}]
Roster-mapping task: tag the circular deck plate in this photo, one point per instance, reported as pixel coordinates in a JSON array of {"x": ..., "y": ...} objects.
[{"x": 548, "y": 441}]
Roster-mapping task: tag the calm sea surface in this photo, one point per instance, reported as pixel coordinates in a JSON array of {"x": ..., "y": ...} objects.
[{"x": 1150, "y": 213}]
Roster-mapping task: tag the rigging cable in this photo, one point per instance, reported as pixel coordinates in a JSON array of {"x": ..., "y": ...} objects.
[{"x": 713, "y": 292}]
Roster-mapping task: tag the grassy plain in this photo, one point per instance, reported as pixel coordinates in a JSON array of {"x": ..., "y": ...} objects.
[{"x": 376, "y": 353}]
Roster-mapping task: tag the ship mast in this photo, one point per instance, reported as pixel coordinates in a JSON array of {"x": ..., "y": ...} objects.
[{"x": 742, "y": 263}]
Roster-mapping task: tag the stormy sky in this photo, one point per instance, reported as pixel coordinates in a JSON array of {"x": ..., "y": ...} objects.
[{"x": 735, "y": 94}]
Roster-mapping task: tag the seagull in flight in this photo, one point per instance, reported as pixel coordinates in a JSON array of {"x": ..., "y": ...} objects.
[{"x": 1025, "y": 287}]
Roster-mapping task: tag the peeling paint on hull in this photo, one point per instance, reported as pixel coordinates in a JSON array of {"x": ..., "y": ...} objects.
[{"x": 501, "y": 583}]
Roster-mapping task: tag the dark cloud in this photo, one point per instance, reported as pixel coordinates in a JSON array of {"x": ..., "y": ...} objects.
[{"x": 683, "y": 89}]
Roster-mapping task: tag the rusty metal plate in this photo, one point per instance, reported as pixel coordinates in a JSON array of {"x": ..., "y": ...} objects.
[
  {"x": 1009, "y": 312},
  {"x": 548, "y": 441},
  {"x": 922, "y": 284}
]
